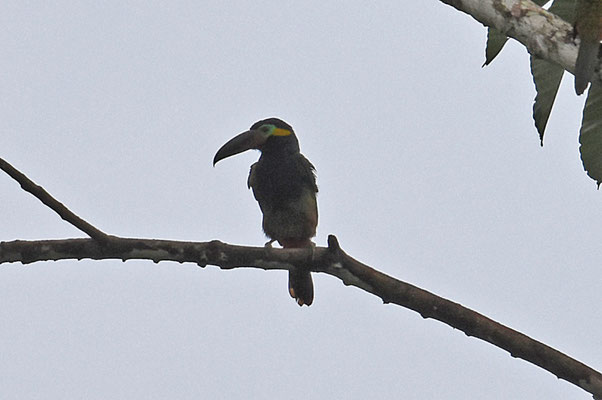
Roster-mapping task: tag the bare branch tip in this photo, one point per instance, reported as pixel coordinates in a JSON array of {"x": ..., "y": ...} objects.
[{"x": 41, "y": 194}]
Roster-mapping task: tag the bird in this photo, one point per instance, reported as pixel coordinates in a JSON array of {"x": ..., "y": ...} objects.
[
  {"x": 283, "y": 182},
  {"x": 588, "y": 25}
]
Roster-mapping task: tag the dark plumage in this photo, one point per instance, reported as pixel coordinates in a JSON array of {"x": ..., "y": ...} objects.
[{"x": 284, "y": 185}]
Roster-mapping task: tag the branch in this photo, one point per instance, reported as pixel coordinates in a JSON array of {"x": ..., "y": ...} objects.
[
  {"x": 544, "y": 34},
  {"x": 54, "y": 204},
  {"x": 331, "y": 260}
]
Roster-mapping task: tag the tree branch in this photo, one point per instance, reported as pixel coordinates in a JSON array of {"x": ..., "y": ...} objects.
[
  {"x": 544, "y": 34},
  {"x": 53, "y": 204},
  {"x": 331, "y": 260}
]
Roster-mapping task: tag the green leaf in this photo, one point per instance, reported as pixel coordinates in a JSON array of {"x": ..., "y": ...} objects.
[
  {"x": 495, "y": 42},
  {"x": 590, "y": 136},
  {"x": 547, "y": 77}
]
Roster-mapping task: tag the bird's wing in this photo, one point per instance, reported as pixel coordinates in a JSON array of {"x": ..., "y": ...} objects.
[
  {"x": 307, "y": 172},
  {"x": 251, "y": 183},
  {"x": 251, "y": 179}
]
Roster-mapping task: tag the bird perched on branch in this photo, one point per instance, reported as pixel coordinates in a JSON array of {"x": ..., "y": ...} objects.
[
  {"x": 588, "y": 25},
  {"x": 284, "y": 185}
]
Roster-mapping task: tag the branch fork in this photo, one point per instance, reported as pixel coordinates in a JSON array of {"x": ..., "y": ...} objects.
[{"x": 331, "y": 260}]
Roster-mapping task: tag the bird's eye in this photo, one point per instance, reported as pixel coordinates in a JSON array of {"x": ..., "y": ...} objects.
[{"x": 265, "y": 128}]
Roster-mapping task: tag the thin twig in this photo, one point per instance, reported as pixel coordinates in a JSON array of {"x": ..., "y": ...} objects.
[{"x": 54, "y": 204}]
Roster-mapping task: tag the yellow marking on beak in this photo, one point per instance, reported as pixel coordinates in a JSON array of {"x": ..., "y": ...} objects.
[{"x": 281, "y": 132}]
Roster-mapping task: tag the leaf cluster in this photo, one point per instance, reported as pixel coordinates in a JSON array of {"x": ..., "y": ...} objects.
[{"x": 547, "y": 77}]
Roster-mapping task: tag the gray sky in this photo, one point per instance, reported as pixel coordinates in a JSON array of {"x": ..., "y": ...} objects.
[{"x": 428, "y": 166}]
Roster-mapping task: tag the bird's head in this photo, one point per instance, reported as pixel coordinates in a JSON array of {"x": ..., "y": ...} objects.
[{"x": 270, "y": 135}]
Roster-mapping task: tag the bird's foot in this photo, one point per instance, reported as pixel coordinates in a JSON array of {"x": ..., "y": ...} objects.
[{"x": 269, "y": 244}]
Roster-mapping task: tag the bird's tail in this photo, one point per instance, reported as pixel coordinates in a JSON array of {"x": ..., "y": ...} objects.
[{"x": 300, "y": 286}]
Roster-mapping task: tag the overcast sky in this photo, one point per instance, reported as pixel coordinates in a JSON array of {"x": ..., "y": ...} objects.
[{"x": 429, "y": 169}]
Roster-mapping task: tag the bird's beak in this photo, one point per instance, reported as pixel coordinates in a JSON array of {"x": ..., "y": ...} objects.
[{"x": 248, "y": 140}]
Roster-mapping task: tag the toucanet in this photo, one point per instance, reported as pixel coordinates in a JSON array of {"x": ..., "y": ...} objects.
[{"x": 284, "y": 184}]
